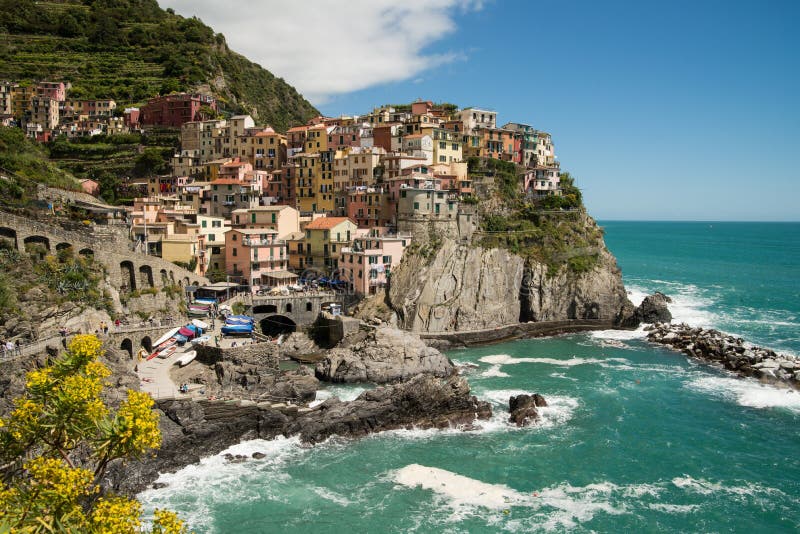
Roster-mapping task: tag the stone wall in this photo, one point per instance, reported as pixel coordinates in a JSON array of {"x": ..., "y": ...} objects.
[{"x": 126, "y": 269}]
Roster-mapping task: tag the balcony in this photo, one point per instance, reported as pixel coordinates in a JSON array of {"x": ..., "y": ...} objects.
[{"x": 263, "y": 242}]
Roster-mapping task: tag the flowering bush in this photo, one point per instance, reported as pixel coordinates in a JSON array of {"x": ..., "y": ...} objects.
[{"x": 58, "y": 441}]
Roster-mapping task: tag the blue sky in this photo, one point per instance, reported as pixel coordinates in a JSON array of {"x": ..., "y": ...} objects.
[{"x": 662, "y": 110}]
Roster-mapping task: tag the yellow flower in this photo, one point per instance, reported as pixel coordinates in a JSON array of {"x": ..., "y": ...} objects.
[
  {"x": 168, "y": 523},
  {"x": 116, "y": 515}
]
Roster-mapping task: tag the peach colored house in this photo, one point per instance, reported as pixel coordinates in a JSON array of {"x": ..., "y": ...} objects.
[
  {"x": 368, "y": 263},
  {"x": 256, "y": 257},
  {"x": 90, "y": 187}
]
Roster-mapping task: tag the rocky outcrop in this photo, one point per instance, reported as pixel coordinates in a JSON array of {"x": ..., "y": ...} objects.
[
  {"x": 653, "y": 309},
  {"x": 383, "y": 355},
  {"x": 467, "y": 287},
  {"x": 523, "y": 408},
  {"x": 732, "y": 353},
  {"x": 191, "y": 430}
]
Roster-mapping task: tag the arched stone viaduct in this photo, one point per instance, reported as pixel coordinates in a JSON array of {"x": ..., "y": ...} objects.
[{"x": 127, "y": 269}]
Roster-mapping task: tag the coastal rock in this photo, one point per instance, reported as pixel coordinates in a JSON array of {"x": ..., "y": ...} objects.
[
  {"x": 383, "y": 355},
  {"x": 193, "y": 429},
  {"x": 653, "y": 309},
  {"x": 422, "y": 402},
  {"x": 464, "y": 286},
  {"x": 523, "y": 408}
]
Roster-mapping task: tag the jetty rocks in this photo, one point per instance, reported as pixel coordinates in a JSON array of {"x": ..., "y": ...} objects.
[
  {"x": 732, "y": 353},
  {"x": 383, "y": 355}
]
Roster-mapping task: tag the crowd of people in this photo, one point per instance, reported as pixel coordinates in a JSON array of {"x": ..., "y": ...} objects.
[{"x": 10, "y": 348}]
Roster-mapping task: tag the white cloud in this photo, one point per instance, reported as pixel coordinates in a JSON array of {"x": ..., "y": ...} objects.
[{"x": 327, "y": 47}]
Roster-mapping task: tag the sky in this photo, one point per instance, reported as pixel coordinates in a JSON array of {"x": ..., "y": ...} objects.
[{"x": 679, "y": 110}]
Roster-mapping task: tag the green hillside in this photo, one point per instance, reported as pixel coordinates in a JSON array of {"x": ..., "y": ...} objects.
[{"x": 132, "y": 50}]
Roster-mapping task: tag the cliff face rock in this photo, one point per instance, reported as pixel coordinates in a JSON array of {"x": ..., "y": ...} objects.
[
  {"x": 595, "y": 294},
  {"x": 463, "y": 288},
  {"x": 468, "y": 287},
  {"x": 384, "y": 355}
]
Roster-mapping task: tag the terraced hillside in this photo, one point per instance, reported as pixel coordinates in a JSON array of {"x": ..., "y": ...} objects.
[{"x": 131, "y": 50}]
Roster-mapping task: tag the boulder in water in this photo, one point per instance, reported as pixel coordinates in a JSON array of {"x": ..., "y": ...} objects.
[{"x": 523, "y": 408}]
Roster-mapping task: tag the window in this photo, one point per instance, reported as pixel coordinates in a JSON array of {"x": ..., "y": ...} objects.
[
  {"x": 387, "y": 259},
  {"x": 203, "y": 224},
  {"x": 442, "y": 145},
  {"x": 216, "y": 224},
  {"x": 442, "y": 159},
  {"x": 211, "y": 237},
  {"x": 233, "y": 237},
  {"x": 274, "y": 217},
  {"x": 234, "y": 253},
  {"x": 402, "y": 194},
  {"x": 256, "y": 266},
  {"x": 455, "y": 146},
  {"x": 308, "y": 306},
  {"x": 308, "y": 234}
]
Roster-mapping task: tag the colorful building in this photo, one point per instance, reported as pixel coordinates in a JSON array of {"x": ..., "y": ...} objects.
[{"x": 369, "y": 261}]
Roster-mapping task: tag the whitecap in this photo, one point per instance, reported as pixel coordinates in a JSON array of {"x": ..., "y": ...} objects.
[
  {"x": 344, "y": 393},
  {"x": 460, "y": 490},
  {"x": 505, "y": 359},
  {"x": 747, "y": 392},
  {"x": 494, "y": 371},
  {"x": 674, "y": 508}
]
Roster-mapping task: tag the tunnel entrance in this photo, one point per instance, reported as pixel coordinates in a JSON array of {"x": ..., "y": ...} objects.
[{"x": 277, "y": 324}]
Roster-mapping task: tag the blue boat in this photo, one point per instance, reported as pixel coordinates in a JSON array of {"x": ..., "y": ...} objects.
[
  {"x": 239, "y": 319},
  {"x": 233, "y": 329}
]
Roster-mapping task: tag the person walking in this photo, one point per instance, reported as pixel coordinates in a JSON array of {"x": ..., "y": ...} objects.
[{"x": 19, "y": 348}]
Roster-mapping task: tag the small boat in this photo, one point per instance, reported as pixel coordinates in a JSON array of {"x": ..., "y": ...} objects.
[
  {"x": 237, "y": 329},
  {"x": 169, "y": 351},
  {"x": 200, "y": 340},
  {"x": 200, "y": 324},
  {"x": 186, "y": 358},
  {"x": 166, "y": 336},
  {"x": 161, "y": 346},
  {"x": 186, "y": 332},
  {"x": 205, "y": 300}
]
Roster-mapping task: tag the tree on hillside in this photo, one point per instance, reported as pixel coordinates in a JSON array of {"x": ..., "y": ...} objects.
[
  {"x": 149, "y": 163},
  {"x": 57, "y": 443}
]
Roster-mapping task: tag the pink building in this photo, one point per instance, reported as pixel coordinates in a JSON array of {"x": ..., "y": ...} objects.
[
  {"x": 369, "y": 207},
  {"x": 176, "y": 109},
  {"x": 257, "y": 258},
  {"x": 55, "y": 90},
  {"x": 368, "y": 263}
]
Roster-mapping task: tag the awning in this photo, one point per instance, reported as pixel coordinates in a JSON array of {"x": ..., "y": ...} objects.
[{"x": 280, "y": 275}]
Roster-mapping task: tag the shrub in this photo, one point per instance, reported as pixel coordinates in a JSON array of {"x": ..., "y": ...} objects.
[{"x": 58, "y": 442}]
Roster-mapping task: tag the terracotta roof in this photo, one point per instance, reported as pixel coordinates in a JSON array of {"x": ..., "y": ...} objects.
[
  {"x": 326, "y": 223},
  {"x": 298, "y": 129}
]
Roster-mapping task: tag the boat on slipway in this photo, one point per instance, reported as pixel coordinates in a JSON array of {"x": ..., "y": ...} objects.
[{"x": 186, "y": 358}]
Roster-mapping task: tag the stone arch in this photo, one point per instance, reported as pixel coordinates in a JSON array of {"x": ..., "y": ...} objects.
[
  {"x": 147, "y": 343},
  {"x": 10, "y": 234},
  {"x": 37, "y": 240},
  {"x": 172, "y": 277},
  {"x": 87, "y": 252},
  {"x": 128, "y": 274},
  {"x": 127, "y": 346},
  {"x": 63, "y": 246},
  {"x": 309, "y": 306},
  {"x": 275, "y": 325},
  {"x": 164, "y": 277},
  {"x": 185, "y": 281},
  {"x": 265, "y": 308},
  {"x": 288, "y": 307},
  {"x": 146, "y": 276}
]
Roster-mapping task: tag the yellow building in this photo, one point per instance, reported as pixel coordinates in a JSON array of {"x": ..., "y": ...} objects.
[
  {"x": 315, "y": 185},
  {"x": 447, "y": 146},
  {"x": 182, "y": 248},
  {"x": 324, "y": 239}
]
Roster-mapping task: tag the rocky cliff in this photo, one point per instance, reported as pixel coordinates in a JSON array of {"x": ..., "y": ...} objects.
[{"x": 559, "y": 270}]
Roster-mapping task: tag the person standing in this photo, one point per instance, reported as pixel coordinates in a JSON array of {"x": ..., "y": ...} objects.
[{"x": 19, "y": 348}]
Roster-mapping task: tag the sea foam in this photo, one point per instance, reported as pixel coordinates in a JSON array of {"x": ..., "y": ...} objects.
[{"x": 747, "y": 392}]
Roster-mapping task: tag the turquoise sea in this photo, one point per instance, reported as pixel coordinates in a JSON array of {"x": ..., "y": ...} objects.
[{"x": 636, "y": 438}]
